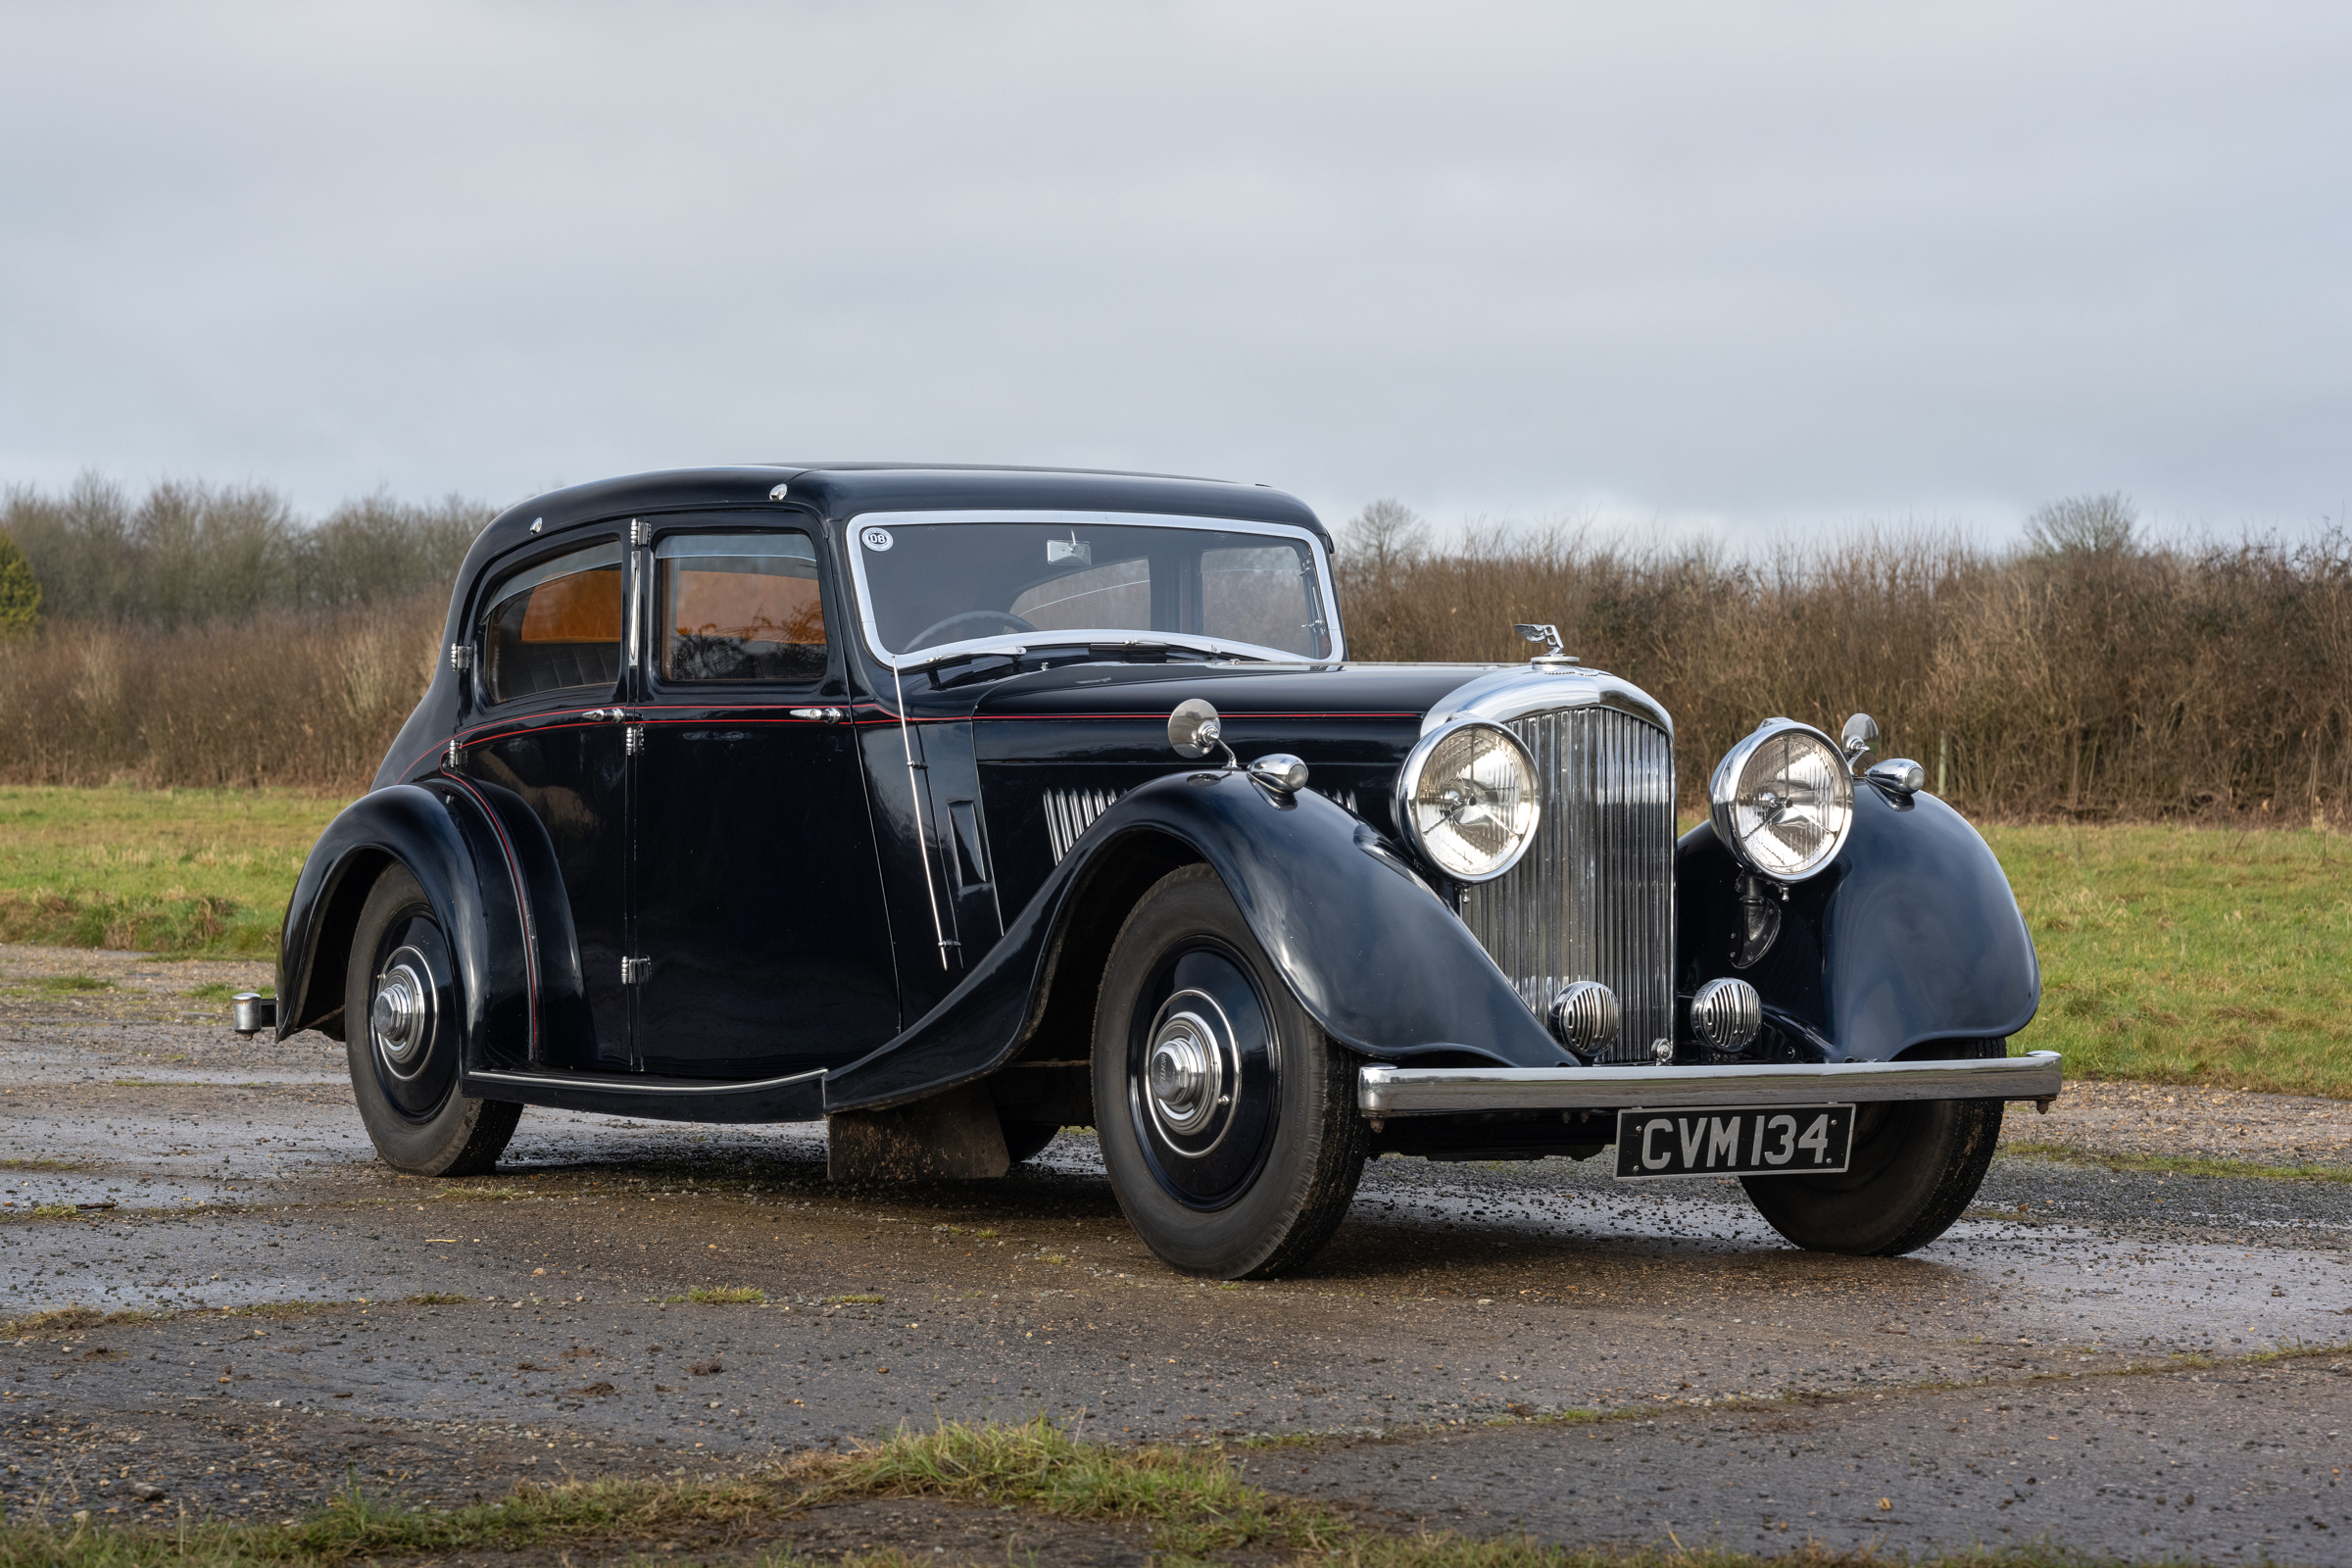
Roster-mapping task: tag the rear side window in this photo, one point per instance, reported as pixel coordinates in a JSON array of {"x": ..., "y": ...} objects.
[
  {"x": 739, "y": 607},
  {"x": 555, "y": 625}
]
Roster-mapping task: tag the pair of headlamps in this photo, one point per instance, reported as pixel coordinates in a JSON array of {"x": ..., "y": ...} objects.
[{"x": 1782, "y": 800}]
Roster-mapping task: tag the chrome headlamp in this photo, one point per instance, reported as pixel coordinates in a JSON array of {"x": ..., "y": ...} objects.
[
  {"x": 1783, "y": 799},
  {"x": 1466, "y": 798}
]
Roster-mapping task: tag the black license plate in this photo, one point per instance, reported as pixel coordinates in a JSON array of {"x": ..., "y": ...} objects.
[{"x": 1761, "y": 1141}]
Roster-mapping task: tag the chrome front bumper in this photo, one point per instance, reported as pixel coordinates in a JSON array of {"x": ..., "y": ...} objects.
[{"x": 1438, "y": 1091}]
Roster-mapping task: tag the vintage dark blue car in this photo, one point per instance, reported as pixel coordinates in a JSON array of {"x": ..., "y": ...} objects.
[{"x": 957, "y": 806}]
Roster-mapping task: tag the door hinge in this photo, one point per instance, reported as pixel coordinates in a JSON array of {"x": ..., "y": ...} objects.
[
  {"x": 461, "y": 656},
  {"x": 633, "y": 739},
  {"x": 641, "y": 532},
  {"x": 636, "y": 971},
  {"x": 453, "y": 755}
]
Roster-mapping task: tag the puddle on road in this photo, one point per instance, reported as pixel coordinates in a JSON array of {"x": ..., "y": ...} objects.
[
  {"x": 215, "y": 1144},
  {"x": 2066, "y": 1281}
]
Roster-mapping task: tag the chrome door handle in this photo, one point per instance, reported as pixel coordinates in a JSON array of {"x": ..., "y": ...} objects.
[
  {"x": 616, "y": 714},
  {"x": 829, "y": 715}
]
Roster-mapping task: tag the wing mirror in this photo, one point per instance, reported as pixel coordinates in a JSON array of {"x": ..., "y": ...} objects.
[
  {"x": 1194, "y": 728},
  {"x": 1860, "y": 736}
]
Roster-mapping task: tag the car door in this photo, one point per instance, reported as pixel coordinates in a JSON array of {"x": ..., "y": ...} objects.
[
  {"x": 551, "y": 671},
  {"x": 759, "y": 901}
]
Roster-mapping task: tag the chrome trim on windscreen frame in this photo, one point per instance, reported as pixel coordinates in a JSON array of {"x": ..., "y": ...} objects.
[
  {"x": 851, "y": 527},
  {"x": 1382, "y": 1091}
]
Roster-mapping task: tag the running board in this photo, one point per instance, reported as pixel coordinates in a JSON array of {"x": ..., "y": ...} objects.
[
  {"x": 797, "y": 1096},
  {"x": 1382, "y": 1091}
]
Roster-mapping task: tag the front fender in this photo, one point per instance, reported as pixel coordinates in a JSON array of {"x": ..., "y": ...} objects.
[
  {"x": 448, "y": 838},
  {"x": 1377, "y": 960},
  {"x": 1911, "y": 936}
]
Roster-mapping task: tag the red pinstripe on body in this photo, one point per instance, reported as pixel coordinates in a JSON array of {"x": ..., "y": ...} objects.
[{"x": 522, "y": 902}]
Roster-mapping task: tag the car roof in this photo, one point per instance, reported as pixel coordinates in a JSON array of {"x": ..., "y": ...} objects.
[{"x": 843, "y": 490}]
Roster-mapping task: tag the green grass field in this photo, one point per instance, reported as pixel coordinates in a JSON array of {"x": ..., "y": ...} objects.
[
  {"x": 2190, "y": 955},
  {"x": 182, "y": 871},
  {"x": 2170, "y": 954}
]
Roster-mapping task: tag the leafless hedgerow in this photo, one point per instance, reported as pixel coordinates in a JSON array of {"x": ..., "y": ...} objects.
[
  {"x": 2086, "y": 674},
  {"x": 311, "y": 699}
]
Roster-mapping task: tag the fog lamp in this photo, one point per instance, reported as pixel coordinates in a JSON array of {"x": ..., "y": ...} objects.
[
  {"x": 1726, "y": 1014},
  {"x": 1583, "y": 1017}
]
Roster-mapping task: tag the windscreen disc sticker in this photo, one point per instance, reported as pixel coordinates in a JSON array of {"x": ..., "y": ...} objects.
[{"x": 876, "y": 539}]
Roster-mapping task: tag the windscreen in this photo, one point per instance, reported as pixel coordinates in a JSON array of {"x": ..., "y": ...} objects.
[{"x": 936, "y": 584}]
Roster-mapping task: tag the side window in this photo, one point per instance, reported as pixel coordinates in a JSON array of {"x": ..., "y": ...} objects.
[
  {"x": 739, "y": 607},
  {"x": 555, "y": 625}
]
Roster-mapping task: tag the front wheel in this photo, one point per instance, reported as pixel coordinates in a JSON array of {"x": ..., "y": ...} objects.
[
  {"x": 1916, "y": 1165},
  {"x": 401, "y": 1008},
  {"x": 1227, "y": 1117}
]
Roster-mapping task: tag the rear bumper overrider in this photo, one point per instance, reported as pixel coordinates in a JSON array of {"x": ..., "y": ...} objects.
[{"x": 1382, "y": 1091}]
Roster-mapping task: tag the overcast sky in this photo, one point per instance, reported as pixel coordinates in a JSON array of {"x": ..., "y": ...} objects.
[{"x": 1710, "y": 267}]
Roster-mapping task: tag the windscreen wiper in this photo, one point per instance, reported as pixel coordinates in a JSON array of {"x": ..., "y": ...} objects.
[{"x": 996, "y": 664}]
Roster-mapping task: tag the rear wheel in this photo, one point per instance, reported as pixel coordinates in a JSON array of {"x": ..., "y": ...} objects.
[
  {"x": 401, "y": 1012},
  {"x": 1227, "y": 1117},
  {"x": 1916, "y": 1166}
]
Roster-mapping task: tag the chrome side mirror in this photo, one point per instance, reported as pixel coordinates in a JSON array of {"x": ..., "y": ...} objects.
[
  {"x": 1860, "y": 735},
  {"x": 1194, "y": 728}
]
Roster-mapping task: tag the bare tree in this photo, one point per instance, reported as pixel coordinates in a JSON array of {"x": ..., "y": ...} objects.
[
  {"x": 190, "y": 553},
  {"x": 1386, "y": 535},
  {"x": 2084, "y": 525}
]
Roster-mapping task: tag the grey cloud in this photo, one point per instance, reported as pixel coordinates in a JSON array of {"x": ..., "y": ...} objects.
[{"x": 1722, "y": 261}]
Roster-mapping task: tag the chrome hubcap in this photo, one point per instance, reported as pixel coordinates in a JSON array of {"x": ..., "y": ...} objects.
[
  {"x": 1184, "y": 1073},
  {"x": 401, "y": 1016},
  {"x": 1189, "y": 1070}
]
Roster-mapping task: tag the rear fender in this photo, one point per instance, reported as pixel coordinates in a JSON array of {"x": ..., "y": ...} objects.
[
  {"x": 449, "y": 837},
  {"x": 1912, "y": 937},
  {"x": 1377, "y": 959}
]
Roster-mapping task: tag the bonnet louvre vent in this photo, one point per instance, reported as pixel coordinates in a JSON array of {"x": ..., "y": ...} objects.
[{"x": 1070, "y": 812}]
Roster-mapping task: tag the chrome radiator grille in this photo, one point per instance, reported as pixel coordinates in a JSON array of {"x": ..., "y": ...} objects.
[{"x": 1592, "y": 898}]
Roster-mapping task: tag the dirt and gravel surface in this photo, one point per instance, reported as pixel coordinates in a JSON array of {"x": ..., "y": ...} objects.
[{"x": 1485, "y": 1348}]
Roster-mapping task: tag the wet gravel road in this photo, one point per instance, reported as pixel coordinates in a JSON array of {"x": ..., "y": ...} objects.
[{"x": 294, "y": 1353}]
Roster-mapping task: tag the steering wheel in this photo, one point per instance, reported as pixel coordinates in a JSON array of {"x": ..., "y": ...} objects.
[{"x": 971, "y": 623}]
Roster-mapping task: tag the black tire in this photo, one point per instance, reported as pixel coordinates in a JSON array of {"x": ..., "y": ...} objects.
[
  {"x": 1244, "y": 1168},
  {"x": 405, "y": 1076},
  {"x": 1026, "y": 1139},
  {"x": 1916, "y": 1166}
]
